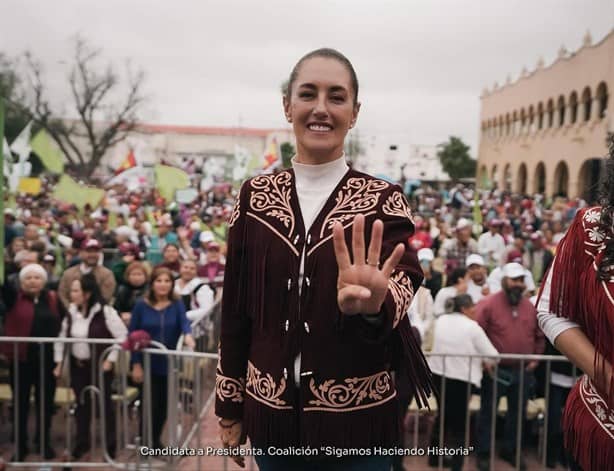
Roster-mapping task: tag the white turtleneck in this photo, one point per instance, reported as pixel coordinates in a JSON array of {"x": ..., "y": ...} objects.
[{"x": 314, "y": 185}]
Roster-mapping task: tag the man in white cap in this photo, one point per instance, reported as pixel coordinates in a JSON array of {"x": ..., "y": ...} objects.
[
  {"x": 90, "y": 254},
  {"x": 510, "y": 322},
  {"x": 477, "y": 287},
  {"x": 455, "y": 251}
]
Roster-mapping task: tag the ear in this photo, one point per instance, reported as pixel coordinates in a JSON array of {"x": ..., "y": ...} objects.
[
  {"x": 286, "y": 104},
  {"x": 355, "y": 115}
]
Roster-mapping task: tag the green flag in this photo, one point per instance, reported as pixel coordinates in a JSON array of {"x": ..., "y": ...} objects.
[
  {"x": 48, "y": 151},
  {"x": 170, "y": 179},
  {"x": 69, "y": 191}
]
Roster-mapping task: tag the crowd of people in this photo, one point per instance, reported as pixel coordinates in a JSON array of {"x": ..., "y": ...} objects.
[
  {"x": 92, "y": 273},
  {"x": 112, "y": 269}
]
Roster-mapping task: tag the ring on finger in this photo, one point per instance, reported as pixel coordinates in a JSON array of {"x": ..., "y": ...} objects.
[{"x": 376, "y": 264}]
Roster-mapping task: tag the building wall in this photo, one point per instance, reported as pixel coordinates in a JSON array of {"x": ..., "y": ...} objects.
[{"x": 513, "y": 148}]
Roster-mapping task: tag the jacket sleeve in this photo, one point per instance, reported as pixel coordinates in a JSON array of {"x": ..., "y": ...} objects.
[
  {"x": 235, "y": 325},
  {"x": 407, "y": 277}
]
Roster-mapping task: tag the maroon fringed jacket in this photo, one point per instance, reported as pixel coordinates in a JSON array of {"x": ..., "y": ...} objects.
[{"x": 347, "y": 397}]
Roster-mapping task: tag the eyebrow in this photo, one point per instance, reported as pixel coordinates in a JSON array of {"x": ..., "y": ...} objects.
[{"x": 334, "y": 88}]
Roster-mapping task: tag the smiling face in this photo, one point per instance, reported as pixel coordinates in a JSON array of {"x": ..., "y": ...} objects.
[{"x": 321, "y": 107}]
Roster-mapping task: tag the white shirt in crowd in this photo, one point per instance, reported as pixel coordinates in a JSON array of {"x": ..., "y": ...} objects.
[
  {"x": 201, "y": 303},
  {"x": 456, "y": 335},
  {"x": 475, "y": 291},
  {"x": 314, "y": 184},
  {"x": 443, "y": 295},
  {"x": 553, "y": 326},
  {"x": 489, "y": 242},
  {"x": 496, "y": 277},
  {"x": 80, "y": 326},
  {"x": 421, "y": 316}
]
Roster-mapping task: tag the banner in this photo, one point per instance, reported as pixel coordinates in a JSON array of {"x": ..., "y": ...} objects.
[
  {"x": 69, "y": 191},
  {"x": 128, "y": 163},
  {"x": 48, "y": 151},
  {"x": 29, "y": 186},
  {"x": 169, "y": 180}
]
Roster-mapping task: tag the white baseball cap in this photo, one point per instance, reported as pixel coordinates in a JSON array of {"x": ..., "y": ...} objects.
[
  {"x": 513, "y": 270},
  {"x": 426, "y": 254},
  {"x": 463, "y": 223},
  {"x": 205, "y": 237},
  {"x": 475, "y": 259}
]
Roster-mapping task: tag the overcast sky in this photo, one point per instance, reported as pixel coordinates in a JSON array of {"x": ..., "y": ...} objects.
[{"x": 421, "y": 64}]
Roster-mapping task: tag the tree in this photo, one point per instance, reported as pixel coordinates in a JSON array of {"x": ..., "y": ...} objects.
[
  {"x": 455, "y": 159},
  {"x": 287, "y": 152},
  {"x": 15, "y": 119},
  {"x": 107, "y": 107}
]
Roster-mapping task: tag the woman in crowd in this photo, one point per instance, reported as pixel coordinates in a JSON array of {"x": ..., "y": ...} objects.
[
  {"x": 576, "y": 312},
  {"x": 456, "y": 334},
  {"x": 308, "y": 329},
  {"x": 196, "y": 294},
  {"x": 213, "y": 270},
  {"x": 171, "y": 259},
  {"x": 89, "y": 317},
  {"x": 131, "y": 290},
  {"x": 163, "y": 316},
  {"x": 32, "y": 311}
]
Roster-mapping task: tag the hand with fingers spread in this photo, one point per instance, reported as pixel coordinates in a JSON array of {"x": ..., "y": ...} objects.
[{"x": 362, "y": 285}]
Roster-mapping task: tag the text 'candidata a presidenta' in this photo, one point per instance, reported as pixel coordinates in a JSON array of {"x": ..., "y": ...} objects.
[{"x": 324, "y": 451}]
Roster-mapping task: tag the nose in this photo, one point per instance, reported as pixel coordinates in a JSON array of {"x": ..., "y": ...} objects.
[{"x": 320, "y": 108}]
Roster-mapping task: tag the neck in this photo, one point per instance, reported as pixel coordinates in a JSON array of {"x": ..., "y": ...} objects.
[
  {"x": 307, "y": 157},
  {"x": 161, "y": 300}
]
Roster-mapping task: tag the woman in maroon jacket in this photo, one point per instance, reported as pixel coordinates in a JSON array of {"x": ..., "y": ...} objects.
[
  {"x": 310, "y": 331},
  {"x": 32, "y": 312}
]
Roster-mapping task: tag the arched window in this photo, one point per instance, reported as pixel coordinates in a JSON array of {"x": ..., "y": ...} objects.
[
  {"x": 540, "y": 115},
  {"x": 523, "y": 121},
  {"x": 501, "y": 126},
  {"x": 521, "y": 182},
  {"x": 531, "y": 119},
  {"x": 602, "y": 99},
  {"x": 539, "y": 185},
  {"x": 573, "y": 107},
  {"x": 507, "y": 124},
  {"x": 550, "y": 111},
  {"x": 561, "y": 109},
  {"x": 515, "y": 123},
  {"x": 587, "y": 101}
]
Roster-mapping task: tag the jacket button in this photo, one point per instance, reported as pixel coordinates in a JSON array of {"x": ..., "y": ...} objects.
[
  {"x": 306, "y": 327},
  {"x": 296, "y": 239},
  {"x": 289, "y": 283},
  {"x": 285, "y": 373},
  {"x": 307, "y": 281},
  {"x": 308, "y": 239},
  {"x": 287, "y": 324}
]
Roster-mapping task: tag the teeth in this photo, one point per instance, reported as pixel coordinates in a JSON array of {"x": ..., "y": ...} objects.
[{"x": 317, "y": 127}]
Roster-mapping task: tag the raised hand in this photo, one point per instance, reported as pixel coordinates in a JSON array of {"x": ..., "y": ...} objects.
[{"x": 362, "y": 285}]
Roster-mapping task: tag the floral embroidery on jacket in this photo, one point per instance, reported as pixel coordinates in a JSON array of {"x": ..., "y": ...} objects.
[
  {"x": 236, "y": 211},
  {"x": 396, "y": 205},
  {"x": 354, "y": 393},
  {"x": 273, "y": 196},
  {"x": 402, "y": 292},
  {"x": 264, "y": 389},
  {"x": 597, "y": 406},
  {"x": 358, "y": 196}
]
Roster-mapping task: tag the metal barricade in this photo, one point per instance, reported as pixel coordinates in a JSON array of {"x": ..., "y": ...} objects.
[{"x": 191, "y": 383}]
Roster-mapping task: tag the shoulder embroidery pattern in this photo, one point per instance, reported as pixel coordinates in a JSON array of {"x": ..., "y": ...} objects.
[
  {"x": 591, "y": 226},
  {"x": 357, "y": 196},
  {"x": 353, "y": 394},
  {"x": 264, "y": 389},
  {"x": 273, "y": 196},
  {"x": 597, "y": 406},
  {"x": 396, "y": 205},
  {"x": 402, "y": 292}
]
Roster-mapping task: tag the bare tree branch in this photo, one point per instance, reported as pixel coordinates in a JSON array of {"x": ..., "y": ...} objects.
[{"x": 92, "y": 93}]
